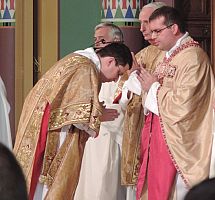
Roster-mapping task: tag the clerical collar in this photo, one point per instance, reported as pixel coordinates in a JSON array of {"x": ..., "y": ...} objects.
[
  {"x": 90, "y": 53},
  {"x": 178, "y": 43}
]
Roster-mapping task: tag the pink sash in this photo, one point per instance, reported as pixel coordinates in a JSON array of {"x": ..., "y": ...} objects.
[{"x": 156, "y": 163}]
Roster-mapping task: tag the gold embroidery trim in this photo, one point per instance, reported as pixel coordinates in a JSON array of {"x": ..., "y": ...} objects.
[
  {"x": 164, "y": 68},
  {"x": 25, "y": 153},
  {"x": 52, "y": 167},
  {"x": 71, "y": 114},
  {"x": 50, "y": 152}
]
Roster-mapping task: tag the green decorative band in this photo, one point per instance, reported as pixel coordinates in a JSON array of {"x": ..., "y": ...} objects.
[
  {"x": 134, "y": 24},
  {"x": 7, "y": 23}
]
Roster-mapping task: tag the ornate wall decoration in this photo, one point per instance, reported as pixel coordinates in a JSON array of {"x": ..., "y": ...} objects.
[
  {"x": 7, "y": 12},
  {"x": 121, "y": 10}
]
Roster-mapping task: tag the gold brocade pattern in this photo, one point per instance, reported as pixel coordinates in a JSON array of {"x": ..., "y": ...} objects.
[
  {"x": 186, "y": 112},
  {"x": 53, "y": 166},
  {"x": 130, "y": 161},
  {"x": 24, "y": 155},
  {"x": 149, "y": 57},
  {"x": 165, "y": 68},
  {"x": 74, "y": 114},
  {"x": 64, "y": 171},
  {"x": 72, "y": 83},
  {"x": 50, "y": 153},
  {"x": 134, "y": 121}
]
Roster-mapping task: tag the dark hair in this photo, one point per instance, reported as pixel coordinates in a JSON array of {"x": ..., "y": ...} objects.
[
  {"x": 204, "y": 190},
  {"x": 119, "y": 51},
  {"x": 171, "y": 16},
  {"x": 12, "y": 181}
]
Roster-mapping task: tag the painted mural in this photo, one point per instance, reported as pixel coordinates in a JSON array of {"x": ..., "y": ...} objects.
[
  {"x": 121, "y": 10},
  {"x": 7, "y": 12}
]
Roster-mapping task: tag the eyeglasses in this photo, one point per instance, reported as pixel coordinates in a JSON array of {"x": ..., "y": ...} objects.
[{"x": 158, "y": 31}]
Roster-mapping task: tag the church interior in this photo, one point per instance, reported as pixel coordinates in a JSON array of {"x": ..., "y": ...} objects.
[{"x": 35, "y": 34}]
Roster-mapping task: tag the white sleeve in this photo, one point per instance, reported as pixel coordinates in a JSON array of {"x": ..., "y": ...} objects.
[
  {"x": 86, "y": 128},
  {"x": 124, "y": 100},
  {"x": 132, "y": 85},
  {"x": 5, "y": 134},
  {"x": 151, "y": 99}
]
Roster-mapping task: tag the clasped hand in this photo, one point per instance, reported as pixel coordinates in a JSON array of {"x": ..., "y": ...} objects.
[
  {"x": 109, "y": 114},
  {"x": 146, "y": 79}
]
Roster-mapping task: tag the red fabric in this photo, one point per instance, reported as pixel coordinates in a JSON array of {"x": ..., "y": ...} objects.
[
  {"x": 40, "y": 149},
  {"x": 156, "y": 162},
  {"x": 116, "y": 100}
]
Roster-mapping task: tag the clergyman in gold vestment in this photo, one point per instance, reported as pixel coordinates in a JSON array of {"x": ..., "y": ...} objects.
[
  {"x": 134, "y": 116},
  {"x": 59, "y": 114},
  {"x": 177, "y": 135}
]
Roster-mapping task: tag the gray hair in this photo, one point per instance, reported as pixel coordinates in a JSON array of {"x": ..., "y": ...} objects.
[
  {"x": 154, "y": 5},
  {"x": 115, "y": 30}
]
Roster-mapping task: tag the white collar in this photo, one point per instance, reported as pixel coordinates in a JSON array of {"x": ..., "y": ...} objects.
[
  {"x": 178, "y": 43},
  {"x": 90, "y": 53}
]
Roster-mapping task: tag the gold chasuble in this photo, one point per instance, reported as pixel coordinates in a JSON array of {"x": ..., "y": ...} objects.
[
  {"x": 70, "y": 89},
  {"x": 134, "y": 118},
  {"x": 185, "y": 109}
]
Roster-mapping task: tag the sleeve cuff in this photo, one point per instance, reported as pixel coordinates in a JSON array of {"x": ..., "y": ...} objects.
[{"x": 151, "y": 99}]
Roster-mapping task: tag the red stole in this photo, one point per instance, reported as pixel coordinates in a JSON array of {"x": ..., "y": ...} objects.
[
  {"x": 157, "y": 167},
  {"x": 40, "y": 149}
]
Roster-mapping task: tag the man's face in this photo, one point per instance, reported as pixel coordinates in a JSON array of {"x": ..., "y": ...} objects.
[
  {"x": 162, "y": 35},
  {"x": 110, "y": 70},
  {"x": 144, "y": 23},
  {"x": 103, "y": 33}
]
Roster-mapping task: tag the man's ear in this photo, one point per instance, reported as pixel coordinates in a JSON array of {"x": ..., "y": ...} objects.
[
  {"x": 111, "y": 61},
  {"x": 175, "y": 29}
]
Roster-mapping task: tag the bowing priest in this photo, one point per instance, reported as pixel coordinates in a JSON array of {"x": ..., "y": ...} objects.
[{"x": 60, "y": 113}]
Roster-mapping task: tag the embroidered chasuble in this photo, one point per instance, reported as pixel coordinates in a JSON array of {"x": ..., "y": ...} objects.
[
  {"x": 66, "y": 96},
  {"x": 184, "y": 124},
  {"x": 133, "y": 123}
]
